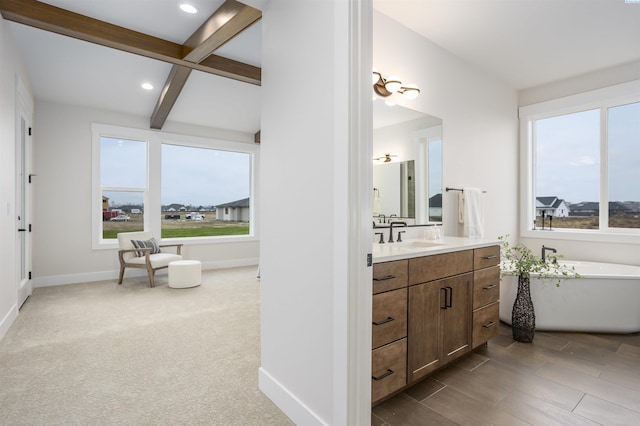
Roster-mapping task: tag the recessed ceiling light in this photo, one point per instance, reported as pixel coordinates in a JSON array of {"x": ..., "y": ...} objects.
[
  {"x": 186, "y": 7},
  {"x": 147, "y": 86}
]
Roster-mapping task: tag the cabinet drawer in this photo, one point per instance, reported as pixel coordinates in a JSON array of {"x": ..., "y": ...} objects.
[
  {"x": 389, "y": 317},
  {"x": 486, "y": 286},
  {"x": 389, "y": 275},
  {"x": 485, "y": 324},
  {"x": 486, "y": 257},
  {"x": 388, "y": 369},
  {"x": 434, "y": 267}
]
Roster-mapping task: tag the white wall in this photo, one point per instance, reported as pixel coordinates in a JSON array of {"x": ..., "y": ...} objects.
[
  {"x": 62, "y": 218},
  {"x": 305, "y": 254},
  {"x": 11, "y": 67},
  {"x": 479, "y": 113}
]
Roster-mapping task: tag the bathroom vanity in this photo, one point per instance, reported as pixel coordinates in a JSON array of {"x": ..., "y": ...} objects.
[{"x": 433, "y": 302}]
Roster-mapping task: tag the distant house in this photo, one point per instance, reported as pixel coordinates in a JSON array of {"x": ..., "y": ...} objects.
[
  {"x": 435, "y": 206},
  {"x": 591, "y": 208},
  {"x": 105, "y": 204},
  {"x": 236, "y": 211},
  {"x": 552, "y": 206}
]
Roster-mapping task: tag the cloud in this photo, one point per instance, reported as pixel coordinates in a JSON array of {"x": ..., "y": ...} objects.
[{"x": 585, "y": 160}]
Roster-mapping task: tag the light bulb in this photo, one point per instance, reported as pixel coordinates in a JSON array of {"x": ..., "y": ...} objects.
[
  {"x": 393, "y": 83},
  {"x": 411, "y": 91}
]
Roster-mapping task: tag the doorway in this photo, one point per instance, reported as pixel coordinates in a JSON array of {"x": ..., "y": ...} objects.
[{"x": 24, "y": 112}]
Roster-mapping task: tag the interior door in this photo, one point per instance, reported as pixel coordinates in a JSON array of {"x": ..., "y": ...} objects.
[{"x": 23, "y": 198}]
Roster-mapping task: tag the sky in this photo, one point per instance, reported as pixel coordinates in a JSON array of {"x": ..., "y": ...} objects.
[
  {"x": 568, "y": 155},
  {"x": 190, "y": 176}
]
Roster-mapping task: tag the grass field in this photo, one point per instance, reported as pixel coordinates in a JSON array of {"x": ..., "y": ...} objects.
[
  {"x": 621, "y": 220},
  {"x": 180, "y": 228}
]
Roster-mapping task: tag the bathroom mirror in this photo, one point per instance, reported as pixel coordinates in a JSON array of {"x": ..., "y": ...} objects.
[{"x": 407, "y": 170}]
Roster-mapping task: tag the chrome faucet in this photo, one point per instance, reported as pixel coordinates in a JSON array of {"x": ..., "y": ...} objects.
[
  {"x": 391, "y": 229},
  {"x": 544, "y": 253}
]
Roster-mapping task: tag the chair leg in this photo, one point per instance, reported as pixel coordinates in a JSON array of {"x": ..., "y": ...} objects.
[
  {"x": 121, "y": 274},
  {"x": 150, "y": 272}
]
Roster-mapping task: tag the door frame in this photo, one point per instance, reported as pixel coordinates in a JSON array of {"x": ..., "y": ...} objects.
[{"x": 23, "y": 195}]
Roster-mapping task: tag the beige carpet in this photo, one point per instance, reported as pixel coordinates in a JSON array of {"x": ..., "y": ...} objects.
[{"x": 104, "y": 354}]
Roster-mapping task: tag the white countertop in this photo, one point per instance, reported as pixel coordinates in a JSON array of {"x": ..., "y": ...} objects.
[{"x": 417, "y": 248}]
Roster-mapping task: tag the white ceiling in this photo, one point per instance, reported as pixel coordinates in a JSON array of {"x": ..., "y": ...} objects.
[{"x": 525, "y": 43}]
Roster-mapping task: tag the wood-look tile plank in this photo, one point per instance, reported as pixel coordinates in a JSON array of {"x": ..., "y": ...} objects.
[
  {"x": 549, "y": 341},
  {"x": 622, "y": 376},
  {"x": 606, "y": 413},
  {"x": 424, "y": 389},
  {"x": 465, "y": 410},
  {"x": 620, "y": 359},
  {"x": 402, "y": 410},
  {"x": 538, "y": 412},
  {"x": 471, "y": 361},
  {"x": 558, "y": 357},
  {"x": 483, "y": 388},
  {"x": 630, "y": 350},
  {"x": 377, "y": 421},
  {"x": 594, "y": 386},
  {"x": 530, "y": 384},
  {"x": 525, "y": 361},
  {"x": 592, "y": 340}
]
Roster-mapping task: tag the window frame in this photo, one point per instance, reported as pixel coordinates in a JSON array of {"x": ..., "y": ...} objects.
[
  {"x": 601, "y": 99},
  {"x": 152, "y": 193}
]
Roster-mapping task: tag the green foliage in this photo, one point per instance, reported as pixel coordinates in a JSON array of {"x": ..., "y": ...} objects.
[
  {"x": 189, "y": 232},
  {"x": 520, "y": 261}
]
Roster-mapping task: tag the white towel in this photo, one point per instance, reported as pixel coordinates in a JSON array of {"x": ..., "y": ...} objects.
[{"x": 473, "y": 213}]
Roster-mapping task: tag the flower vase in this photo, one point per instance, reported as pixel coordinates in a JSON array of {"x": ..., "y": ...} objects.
[{"x": 523, "y": 317}]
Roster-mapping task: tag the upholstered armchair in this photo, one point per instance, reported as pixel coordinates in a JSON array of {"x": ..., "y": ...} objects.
[{"x": 140, "y": 250}]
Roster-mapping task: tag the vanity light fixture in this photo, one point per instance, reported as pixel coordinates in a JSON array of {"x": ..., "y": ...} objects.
[
  {"x": 385, "y": 159},
  {"x": 386, "y": 87}
]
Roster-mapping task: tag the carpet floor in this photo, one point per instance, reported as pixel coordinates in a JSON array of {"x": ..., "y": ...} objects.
[{"x": 106, "y": 354}]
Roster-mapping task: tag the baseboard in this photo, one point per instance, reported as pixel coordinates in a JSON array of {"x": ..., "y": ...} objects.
[
  {"x": 290, "y": 405},
  {"x": 86, "y": 277},
  {"x": 8, "y": 319}
]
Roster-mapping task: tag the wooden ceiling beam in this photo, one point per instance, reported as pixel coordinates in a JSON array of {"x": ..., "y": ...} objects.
[
  {"x": 50, "y": 18},
  {"x": 225, "y": 23},
  {"x": 170, "y": 92}
]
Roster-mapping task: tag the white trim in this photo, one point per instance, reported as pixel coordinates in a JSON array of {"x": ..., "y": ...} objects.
[
  {"x": 154, "y": 141},
  {"x": 8, "y": 320},
  {"x": 596, "y": 99},
  {"x": 358, "y": 297},
  {"x": 86, "y": 277},
  {"x": 296, "y": 410}
]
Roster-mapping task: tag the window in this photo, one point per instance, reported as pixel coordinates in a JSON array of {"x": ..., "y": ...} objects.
[
  {"x": 170, "y": 185},
  {"x": 582, "y": 153},
  {"x": 123, "y": 182},
  {"x": 199, "y": 180}
]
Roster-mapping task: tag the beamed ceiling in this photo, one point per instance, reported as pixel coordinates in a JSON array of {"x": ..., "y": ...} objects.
[{"x": 196, "y": 53}]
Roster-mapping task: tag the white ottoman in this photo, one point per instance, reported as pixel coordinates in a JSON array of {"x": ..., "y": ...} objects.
[{"x": 185, "y": 273}]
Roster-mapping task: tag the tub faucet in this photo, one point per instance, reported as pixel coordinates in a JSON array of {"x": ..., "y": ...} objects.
[{"x": 544, "y": 253}]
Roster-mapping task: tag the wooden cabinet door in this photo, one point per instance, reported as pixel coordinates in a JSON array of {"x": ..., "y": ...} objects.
[
  {"x": 423, "y": 329},
  {"x": 456, "y": 318}
]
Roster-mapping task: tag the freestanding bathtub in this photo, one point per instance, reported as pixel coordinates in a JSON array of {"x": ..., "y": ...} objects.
[{"x": 605, "y": 300}]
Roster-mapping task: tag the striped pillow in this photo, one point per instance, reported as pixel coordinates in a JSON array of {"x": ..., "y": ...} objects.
[{"x": 144, "y": 244}]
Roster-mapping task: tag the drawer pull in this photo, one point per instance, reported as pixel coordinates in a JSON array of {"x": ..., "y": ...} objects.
[
  {"x": 387, "y": 373},
  {"x": 389, "y": 319},
  {"x": 489, "y": 325},
  {"x": 493, "y": 256},
  {"x": 489, "y": 287},
  {"x": 385, "y": 278}
]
